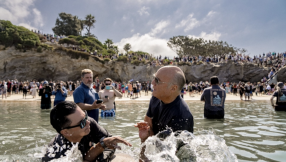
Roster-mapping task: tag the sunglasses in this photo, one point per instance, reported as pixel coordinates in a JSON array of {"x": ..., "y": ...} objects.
[
  {"x": 157, "y": 81},
  {"x": 81, "y": 124}
]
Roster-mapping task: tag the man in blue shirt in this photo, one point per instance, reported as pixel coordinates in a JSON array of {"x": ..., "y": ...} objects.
[
  {"x": 214, "y": 98},
  {"x": 60, "y": 92},
  {"x": 85, "y": 96}
]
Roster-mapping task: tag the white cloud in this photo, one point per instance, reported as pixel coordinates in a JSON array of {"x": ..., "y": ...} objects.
[
  {"x": 159, "y": 27},
  {"x": 144, "y": 11},
  {"x": 28, "y": 26},
  {"x": 38, "y": 17},
  {"x": 132, "y": 31},
  {"x": 20, "y": 12},
  {"x": 148, "y": 42},
  {"x": 211, "y": 13},
  {"x": 124, "y": 17},
  {"x": 211, "y": 36},
  {"x": 189, "y": 23}
]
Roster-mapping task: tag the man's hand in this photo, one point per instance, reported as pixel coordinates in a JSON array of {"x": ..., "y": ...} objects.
[
  {"x": 111, "y": 142},
  {"x": 112, "y": 87},
  {"x": 144, "y": 129},
  {"x": 98, "y": 106}
]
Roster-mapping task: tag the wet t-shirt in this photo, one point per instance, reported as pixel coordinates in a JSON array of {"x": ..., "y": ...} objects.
[
  {"x": 280, "y": 100},
  {"x": 175, "y": 115},
  {"x": 60, "y": 145},
  {"x": 214, "y": 98}
]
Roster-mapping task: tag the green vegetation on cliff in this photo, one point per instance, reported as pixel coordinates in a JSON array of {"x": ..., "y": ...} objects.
[
  {"x": 20, "y": 37},
  {"x": 17, "y": 35}
]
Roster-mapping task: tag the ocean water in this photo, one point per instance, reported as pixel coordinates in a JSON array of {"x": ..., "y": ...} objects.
[{"x": 251, "y": 131}]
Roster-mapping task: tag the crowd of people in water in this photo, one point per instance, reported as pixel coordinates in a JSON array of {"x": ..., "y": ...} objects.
[
  {"x": 77, "y": 121},
  {"x": 135, "y": 89}
]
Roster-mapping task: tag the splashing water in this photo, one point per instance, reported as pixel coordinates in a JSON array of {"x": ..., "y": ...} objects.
[
  {"x": 204, "y": 147},
  {"x": 71, "y": 155}
]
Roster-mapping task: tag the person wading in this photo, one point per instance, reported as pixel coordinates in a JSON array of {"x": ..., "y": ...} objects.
[
  {"x": 214, "y": 98},
  {"x": 280, "y": 95}
]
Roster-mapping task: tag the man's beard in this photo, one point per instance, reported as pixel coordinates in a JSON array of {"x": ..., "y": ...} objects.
[{"x": 88, "y": 84}]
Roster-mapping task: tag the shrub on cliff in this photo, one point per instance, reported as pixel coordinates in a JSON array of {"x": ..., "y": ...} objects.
[
  {"x": 135, "y": 62},
  {"x": 123, "y": 59},
  {"x": 13, "y": 35},
  {"x": 74, "y": 54},
  {"x": 29, "y": 43},
  {"x": 184, "y": 63},
  {"x": 106, "y": 59},
  {"x": 40, "y": 49},
  {"x": 47, "y": 47},
  {"x": 68, "y": 41},
  {"x": 19, "y": 46},
  {"x": 87, "y": 43}
]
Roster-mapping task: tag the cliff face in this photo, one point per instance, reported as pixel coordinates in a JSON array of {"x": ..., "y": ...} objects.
[
  {"x": 281, "y": 75},
  {"x": 58, "y": 65}
]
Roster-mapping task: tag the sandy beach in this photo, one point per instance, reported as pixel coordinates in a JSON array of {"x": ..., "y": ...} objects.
[{"x": 187, "y": 97}]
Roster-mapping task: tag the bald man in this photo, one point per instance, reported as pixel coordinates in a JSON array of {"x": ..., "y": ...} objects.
[{"x": 167, "y": 108}]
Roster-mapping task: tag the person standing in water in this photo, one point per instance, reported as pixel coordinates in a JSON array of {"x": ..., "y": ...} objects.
[
  {"x": 280, "y": 95},
  {"x": 86, "y": 97},
  {"x": 108, "y": 96},
  {"x": 214, "y": 98},
  {"x": 166, "y": 107}
]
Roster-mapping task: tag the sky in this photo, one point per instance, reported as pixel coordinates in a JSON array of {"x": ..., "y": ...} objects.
[{"x": 256, "y": 25}]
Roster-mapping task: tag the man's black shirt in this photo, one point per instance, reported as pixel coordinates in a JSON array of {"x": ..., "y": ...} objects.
[
  {"x": 175, "y": 115},
  {"x": 60, "y": 145}
]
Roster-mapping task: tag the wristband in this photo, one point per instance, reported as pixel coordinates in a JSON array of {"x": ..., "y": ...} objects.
[{"x": 102, "y": 143}]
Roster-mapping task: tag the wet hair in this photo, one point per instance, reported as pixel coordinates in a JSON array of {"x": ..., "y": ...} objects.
[
  {"x": 58, "y": 115},
  {"x": 214, "y": 80},
  {"x": 85, "y": 71},
  {"x": 280, "y": 85}
]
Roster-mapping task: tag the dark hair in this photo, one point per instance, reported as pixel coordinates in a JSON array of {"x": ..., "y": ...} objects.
[
  {"x": 59, "y": 113},
  {"x": 280, "y": 85},
  {"x": 214, "y": 80}
]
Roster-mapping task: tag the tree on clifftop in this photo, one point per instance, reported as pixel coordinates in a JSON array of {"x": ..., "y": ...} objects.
[
  {"x": 89, "y": 23},
  {"x": 127, "y": 47},
  {"x": 108, "y": 43},
  {"x": 189, "y": 46},
  {"x": 68, "y": 24}
]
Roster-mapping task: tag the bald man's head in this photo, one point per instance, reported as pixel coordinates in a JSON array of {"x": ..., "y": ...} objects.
[{"x": 175, "y": 74}]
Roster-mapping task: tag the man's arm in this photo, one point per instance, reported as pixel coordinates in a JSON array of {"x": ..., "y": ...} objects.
[
  {"x": 203, "y": 96},
  {"x": 116, "y": 92},
  {"x": 272, "y": 103},
  {"x": 85, "y": 106},
  {"x": 109, "y": 142},
  {"x": 79, "y": 100},
  {"x": 64, "y": 92}
]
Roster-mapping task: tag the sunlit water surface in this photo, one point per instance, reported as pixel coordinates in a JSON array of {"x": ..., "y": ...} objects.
[{"x": 252, "y": 130}]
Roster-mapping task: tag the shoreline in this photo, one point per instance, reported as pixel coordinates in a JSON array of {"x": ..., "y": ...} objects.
[{"x": 195, "y": 97}]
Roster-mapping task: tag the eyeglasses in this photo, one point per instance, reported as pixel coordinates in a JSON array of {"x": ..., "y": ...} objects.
[
  {"x": 157, "y": 81},
  {"x": 81, "y": 124}
]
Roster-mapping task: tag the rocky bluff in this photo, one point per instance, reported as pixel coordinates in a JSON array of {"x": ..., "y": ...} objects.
[{"x": 58, "y": 65}]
